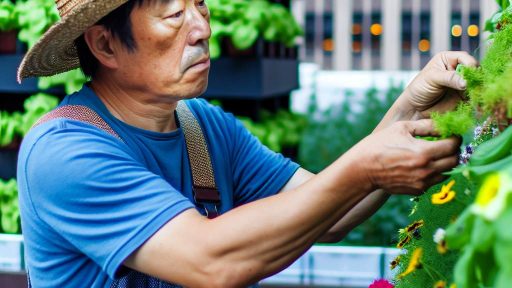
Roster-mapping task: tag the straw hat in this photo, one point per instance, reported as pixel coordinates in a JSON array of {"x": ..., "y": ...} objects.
[{"x": 55, "y": 52}]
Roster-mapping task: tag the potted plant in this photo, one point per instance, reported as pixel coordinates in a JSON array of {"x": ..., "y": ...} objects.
[
  {"x": 237, "y": 25},
  {"x": 14, "y": 126},
  {"x": 8, "y": 26}
]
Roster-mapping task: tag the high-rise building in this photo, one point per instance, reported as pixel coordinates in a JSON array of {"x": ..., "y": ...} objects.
[{"x": 389, "y": 34}]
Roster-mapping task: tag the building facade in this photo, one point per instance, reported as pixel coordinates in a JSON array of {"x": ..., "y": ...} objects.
[{"x": 389, "y": 34}]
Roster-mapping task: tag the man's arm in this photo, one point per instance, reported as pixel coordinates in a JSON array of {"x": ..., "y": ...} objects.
[
  {"x": 261, "y": 238},
  {"x": 357, "y": 215}
]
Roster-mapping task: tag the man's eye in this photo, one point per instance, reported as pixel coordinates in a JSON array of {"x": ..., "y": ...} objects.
[{"x": 176, "y": 15}]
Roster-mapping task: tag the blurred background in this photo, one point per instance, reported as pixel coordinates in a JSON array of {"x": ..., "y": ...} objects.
[{"x": 309, "y": 78}]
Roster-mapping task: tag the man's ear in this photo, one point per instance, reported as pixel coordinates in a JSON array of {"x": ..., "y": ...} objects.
[{"x": 101, "y": 44}]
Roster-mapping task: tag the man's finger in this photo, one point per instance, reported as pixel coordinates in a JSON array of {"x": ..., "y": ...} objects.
[
  {"x": 445, "y": 164},
  {"x": 453, "y": 58},
  {"x": 449, "y": 79},
  {"x": 442, "y": 148},
  {"x": 424, "y": 127}
]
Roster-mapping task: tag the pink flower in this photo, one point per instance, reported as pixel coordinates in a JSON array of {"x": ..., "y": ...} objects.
[{"x": 382, "y": 283}]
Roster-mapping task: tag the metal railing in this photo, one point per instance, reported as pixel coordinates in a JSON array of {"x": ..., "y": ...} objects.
[{"x": 331, "y": 266}]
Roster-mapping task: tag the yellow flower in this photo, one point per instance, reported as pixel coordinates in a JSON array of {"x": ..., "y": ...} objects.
[
  {"x": 414, "y": 263},
  {"x": 395, "y": 262},
  {"x": 489, "y": 190},
  {"x": 445, "y": 195},
  {"x": 492, "y": 196},
  {"x": 440, "y": 284},
  {"x": 453, "y": 285},
  {"x": 442, "y": 248},
  {"x": 404, "y": 241},
  {"x": 414, "y": 226}
]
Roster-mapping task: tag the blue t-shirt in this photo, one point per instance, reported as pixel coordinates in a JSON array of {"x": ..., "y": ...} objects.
[{"x": 89, "y": 200}]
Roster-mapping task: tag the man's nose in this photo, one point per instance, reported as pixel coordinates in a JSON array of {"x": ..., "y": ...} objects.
[{"x": 199, "y": 28}]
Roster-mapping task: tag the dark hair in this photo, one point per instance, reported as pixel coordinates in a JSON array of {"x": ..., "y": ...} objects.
[{"x": 116, "y": 22}]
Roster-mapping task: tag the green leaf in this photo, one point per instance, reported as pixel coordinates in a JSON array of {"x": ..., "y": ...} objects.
[
  {"x": 244, "y": 36},
  {"x": 458, "y": 234},
  {"x": 482, "y": 236},
  {"x": 464, "y": 270}
]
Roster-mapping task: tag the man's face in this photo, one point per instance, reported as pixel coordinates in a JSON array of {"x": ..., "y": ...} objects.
[{"x": 171, "y": 56}]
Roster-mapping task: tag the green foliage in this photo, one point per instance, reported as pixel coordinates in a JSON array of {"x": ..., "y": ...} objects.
[
  {"x": 435, "y": 266},
  {"x": 8, "y": 16},
  {"x": 277, "y": 131},
  {"x": 456, "y": 122},
  {"x": 380, "y": 229},
  {"x": 18, "y": 124},
  {"x": 334, "y": 131},
  {"x": 243, "y": 21},
  {"x": 9, "y": 207},
  {"x": 487, "y": 86},
  {"x": 35, "y": 18}
]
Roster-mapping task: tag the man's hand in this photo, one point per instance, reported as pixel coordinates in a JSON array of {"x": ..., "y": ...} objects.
[
  {"x": 395, "y": 160},
  {"x": 438, "y": 87}
]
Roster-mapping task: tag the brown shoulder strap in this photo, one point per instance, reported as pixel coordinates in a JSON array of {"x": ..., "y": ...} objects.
[
  {"x": 204, "y": 186},
  {"x": 79, "y": 113}
]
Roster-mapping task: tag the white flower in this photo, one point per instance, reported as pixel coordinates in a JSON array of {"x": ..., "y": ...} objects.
[
  {"x": 478, "y": 131},
  {"x": 495, "y": 131},
  {"x": 439, "y": 235}
]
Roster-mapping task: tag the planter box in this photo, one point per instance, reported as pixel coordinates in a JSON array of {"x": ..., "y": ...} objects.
[
  {"x": 13, "y": 280},
  {"x": 8, "y": 163},
  {"x": 8, "y": 42},
  {"x": 256, "y": 79},
  {"x": 8, "y": 83},
  {"x": 11, "y": 253}
]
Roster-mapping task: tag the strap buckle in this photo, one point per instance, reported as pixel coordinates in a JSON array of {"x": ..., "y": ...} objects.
[
  {"x": 207, "y": 197},
  {"x": 211, "y": 214}
]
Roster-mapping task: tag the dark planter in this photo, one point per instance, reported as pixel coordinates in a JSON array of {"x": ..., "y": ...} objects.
[
  {"x": 13, "y": 279},
  {"x": 8, "y": 83},
  {"x": 256, "y": 78},
  {"x": 8, "y": 40},
  {"x": 9, "y": 161}
]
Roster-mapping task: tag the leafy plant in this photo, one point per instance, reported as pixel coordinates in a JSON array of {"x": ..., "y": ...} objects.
[
  {"x": 279, "y": 130},
  {"x": 474, "y": 209},
  {"x": 35, "y": 18},
  {"x": 8, "y": 16},
  {"x": 488, "y": 86},
  {"x": 9, "y": 207},
  {"x": 18, "y": 124},
  {"x": 243, "y": 21},
  {"x": 334, "y": 131}
]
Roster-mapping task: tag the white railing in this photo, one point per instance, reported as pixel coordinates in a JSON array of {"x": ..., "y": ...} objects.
[
  {"x": 328, "y": 266},
  {"x": 442, "y": 16}
]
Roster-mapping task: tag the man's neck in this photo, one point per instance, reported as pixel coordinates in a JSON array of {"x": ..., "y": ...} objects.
[{"x": 136, "y": 108}]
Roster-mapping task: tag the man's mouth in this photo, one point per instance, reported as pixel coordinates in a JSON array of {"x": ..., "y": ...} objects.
[{"x": 202, "y": 64}]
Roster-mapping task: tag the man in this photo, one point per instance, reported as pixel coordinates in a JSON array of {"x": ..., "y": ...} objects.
[{"x": 99, "y": 212}]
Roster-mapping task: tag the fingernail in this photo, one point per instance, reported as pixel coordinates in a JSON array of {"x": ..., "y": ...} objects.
[{"x": 462, "y": 83}]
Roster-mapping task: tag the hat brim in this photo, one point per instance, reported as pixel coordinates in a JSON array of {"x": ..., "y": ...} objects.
[{"x": 55, "y": 52}]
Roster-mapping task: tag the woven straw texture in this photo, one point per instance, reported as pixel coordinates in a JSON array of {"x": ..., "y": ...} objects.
[{"x": 55, "y": 52}]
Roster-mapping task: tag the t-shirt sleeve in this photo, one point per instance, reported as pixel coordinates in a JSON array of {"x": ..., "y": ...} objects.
[
  {"x": 85, "y": 185},
  {"x": 258, "y": 172}
]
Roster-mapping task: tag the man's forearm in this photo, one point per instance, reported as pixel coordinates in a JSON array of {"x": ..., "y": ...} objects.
[
  {"x": 357, "y": 215},
  {"x": 400, "y": 111}
]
